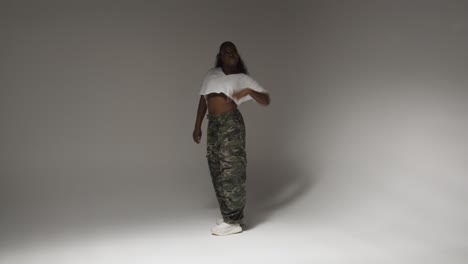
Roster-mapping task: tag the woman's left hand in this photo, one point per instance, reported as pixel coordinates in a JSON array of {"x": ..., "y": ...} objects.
[{"x": 238, "y": 95}]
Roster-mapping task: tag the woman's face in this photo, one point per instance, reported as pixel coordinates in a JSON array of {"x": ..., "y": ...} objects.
[{"x": 229, "y": 55}]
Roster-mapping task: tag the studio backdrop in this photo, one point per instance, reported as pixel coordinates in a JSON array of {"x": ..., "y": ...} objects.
[{"x": 367, "y": 125}]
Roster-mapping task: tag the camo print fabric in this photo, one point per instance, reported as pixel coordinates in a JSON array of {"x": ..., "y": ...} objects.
[{"x": 227, "y": 161}]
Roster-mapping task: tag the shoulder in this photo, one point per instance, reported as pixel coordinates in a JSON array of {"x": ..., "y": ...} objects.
[
  {"x": 215, "y": 70},
  {"x": 212, "y": 72}
]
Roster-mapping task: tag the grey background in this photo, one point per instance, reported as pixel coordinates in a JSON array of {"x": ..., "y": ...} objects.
[{"x": 366, "y": 127}]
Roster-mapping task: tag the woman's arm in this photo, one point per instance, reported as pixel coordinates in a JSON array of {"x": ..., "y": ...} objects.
[
  {"x": 261, "y": 98},
  {"x": 200, "y": 115}
]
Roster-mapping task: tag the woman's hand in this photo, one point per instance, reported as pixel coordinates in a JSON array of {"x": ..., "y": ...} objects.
[
  {"x": 197, "y": 133},
  {"x": 238, "y": 95}
]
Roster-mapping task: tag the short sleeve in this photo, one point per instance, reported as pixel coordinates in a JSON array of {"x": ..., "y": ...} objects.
[
  {"x": 204, "y": 83},
  {"x": 249, "y": 82}
]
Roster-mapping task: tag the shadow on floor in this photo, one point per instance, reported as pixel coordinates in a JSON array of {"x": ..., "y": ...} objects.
[{"x": 271, "y": 186}]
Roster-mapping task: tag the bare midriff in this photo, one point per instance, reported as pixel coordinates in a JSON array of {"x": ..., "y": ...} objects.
[{"x": 218, "y": 103}]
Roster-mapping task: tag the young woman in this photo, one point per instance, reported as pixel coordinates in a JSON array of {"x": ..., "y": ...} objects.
[{"x": 225, "y": 87}]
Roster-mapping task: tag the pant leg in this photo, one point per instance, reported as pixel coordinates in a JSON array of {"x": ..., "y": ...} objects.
[
  {"x": 233, "y": 163},
  {"x": 212, "y": 155}
]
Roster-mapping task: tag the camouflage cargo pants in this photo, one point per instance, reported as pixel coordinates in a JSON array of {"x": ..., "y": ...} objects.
[{"x": 227, "y": 161}]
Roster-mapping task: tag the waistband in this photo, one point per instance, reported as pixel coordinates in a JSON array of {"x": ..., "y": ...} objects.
[{"x": 232, "y": 112}]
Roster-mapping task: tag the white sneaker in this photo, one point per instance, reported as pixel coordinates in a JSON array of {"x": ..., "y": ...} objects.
[
  {"x": 221, "y": 220},
  {"x": 226, "y": 229}
]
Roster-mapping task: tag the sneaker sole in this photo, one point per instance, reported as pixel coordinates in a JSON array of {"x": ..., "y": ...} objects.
[{"x": 229, "y": 233}]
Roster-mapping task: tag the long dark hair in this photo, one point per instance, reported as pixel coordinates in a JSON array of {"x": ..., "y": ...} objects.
[{"x": 240, "y": 65}]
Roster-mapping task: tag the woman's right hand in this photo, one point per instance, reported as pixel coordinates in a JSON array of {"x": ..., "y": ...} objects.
[{"x": 197, "y": 133}]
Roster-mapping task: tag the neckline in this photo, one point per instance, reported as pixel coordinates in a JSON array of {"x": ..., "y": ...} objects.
[{"x": 224, "y": 74}]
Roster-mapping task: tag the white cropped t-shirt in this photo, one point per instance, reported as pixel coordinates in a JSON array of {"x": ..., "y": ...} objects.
[{"x": 216, "y": 81}]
